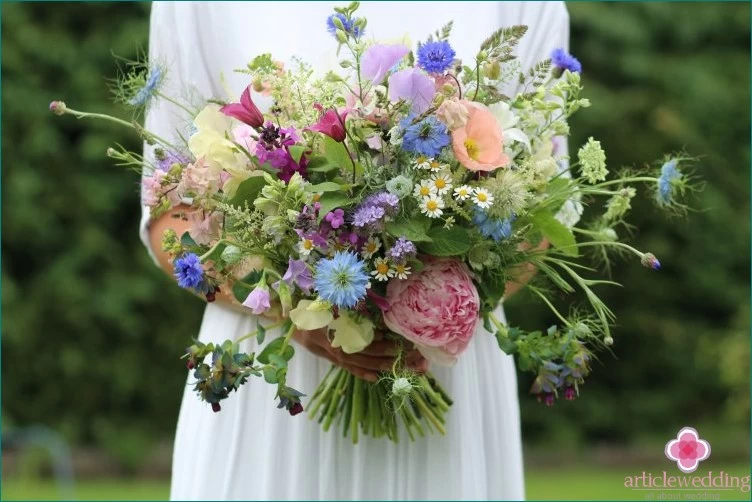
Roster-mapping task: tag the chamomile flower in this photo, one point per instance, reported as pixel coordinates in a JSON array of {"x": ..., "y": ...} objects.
[
  {"x": 372, "y": 245},
  {"x": 401, "y": 271},
  {"x": 423, "y": 162},
  {"x": 305, "y": 247},
  {"x": 463, "y": 192},
  {"x": 383, "y": 270},
  {"x": 442, "y": 183},
  {"x": 435, "y": 166},
  {"x": 432, "y": 206},
  {"x": 424, "y": 189},
  {"x": 482, "y": 198}
]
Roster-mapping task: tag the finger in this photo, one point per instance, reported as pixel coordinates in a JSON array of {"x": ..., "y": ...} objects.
[
  {"x": 370, "y": 363},
  {"x": 361, "y": 373},
  {"x": 417, "y": 362},
  {"x": 381, "y": 348}
]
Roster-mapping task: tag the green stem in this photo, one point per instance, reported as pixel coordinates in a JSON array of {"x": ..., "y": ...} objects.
[
  {"x": 550, "y": 306},
  {"x": 176, "y": 103},
  {"x": 212, "y": 249},
  {"x": 81, "y": 115},
  {"x": 255, "y": 333},
  {"x": 626, "y": 180}
]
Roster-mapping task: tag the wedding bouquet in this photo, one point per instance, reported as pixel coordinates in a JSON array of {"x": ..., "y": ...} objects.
[{"x": 396, "y": 197}]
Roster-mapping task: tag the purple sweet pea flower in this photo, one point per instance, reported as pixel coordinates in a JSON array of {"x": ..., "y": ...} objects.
[
  {"x": 379, "y": 59},
  {"x": 298, "y": 274},
  {"x": 414, "y": 86},
  {"x": 258, "y": 300}
]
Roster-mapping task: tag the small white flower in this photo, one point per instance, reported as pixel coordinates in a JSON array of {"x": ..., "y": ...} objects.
[
  {"x": 424, "y": 189},
  {"x": 423, "y": 162},
  {"x": 435, "y": 166},
  {"x": 395, "y": 136},
  {"x": 463, "y": 192},
  {"x": 383, "y": 271},
  {"x": 401, "y": 271},
  {"x": 482, "y": 198},
  {"x": 432, "y": 206},
  {"x": 442, "y": 183},
  {"x": 305, "y": 247},
  {"x": 372, "y": 245}
]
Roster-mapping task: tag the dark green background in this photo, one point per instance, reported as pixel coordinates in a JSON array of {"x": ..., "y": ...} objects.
[{"x": 91, "y": 328}]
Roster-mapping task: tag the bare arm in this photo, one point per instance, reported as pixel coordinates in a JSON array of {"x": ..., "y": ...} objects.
[{"x": 523, "y": 274}]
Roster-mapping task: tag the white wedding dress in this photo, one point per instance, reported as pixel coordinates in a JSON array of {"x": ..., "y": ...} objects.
[{"x": 251, "y": 449}]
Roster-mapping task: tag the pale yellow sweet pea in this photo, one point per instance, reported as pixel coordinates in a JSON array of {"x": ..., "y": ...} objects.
[{"x": 351, "y": 334}]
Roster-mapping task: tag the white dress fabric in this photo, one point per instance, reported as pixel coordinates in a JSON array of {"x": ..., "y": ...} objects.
[{"x": 251, "y": 449}]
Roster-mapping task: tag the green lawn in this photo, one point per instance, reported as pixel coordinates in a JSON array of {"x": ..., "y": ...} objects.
[{"x": 583, "y": 483}]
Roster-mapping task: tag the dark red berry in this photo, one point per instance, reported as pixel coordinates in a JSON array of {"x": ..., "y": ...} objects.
[
  {"x": 570, "y": 393},
  {"x": 216, "y": 407},
  {"x": 210, "y": 297},
  {"x": 190, "y": 364},
  {"x": 296, "y": 408},
  {"x": 549, "y": 399}
]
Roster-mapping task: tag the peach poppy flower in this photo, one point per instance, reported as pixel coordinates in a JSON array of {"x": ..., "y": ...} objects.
[{"x": 478, "y": 145}]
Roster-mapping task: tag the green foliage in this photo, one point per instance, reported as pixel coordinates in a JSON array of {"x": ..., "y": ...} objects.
[{"x": 664, "y": 77}]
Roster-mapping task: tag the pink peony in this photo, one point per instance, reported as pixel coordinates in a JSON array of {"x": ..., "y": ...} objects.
[{"x": 436, "y": 309}]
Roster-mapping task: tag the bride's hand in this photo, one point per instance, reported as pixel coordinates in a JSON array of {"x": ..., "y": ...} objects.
[{"x": 377, "y": 357}]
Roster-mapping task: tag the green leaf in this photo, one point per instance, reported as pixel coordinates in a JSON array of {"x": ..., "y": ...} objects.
[
  {"x": 333, "y": 200},
  {"x": 558, "y": 234},
  {"x": 270, "y": 374},
  {"x": 260, "y": 334},
  {"x": 273, "y": 348},
  {"x": 277, "y": 361},
  {"x": 248, "y": 190},
  {"x": 296, "y": 152},
  {"x": 241, "y": 289},
  {"x": 327, "y": 186},
  {"x": 216, "y": 253},
  {"x": 413, "y": 229},
  {"x": 505, "y": 344},
  {"x": 336, "y": 154},
  {"x": 320, "y": 164},
  {"x": 452, "y": 242},
  {"x": 187, "y": 241}
]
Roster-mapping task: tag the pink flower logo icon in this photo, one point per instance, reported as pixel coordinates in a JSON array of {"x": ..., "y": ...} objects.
[{"x": 687, "y": 450}]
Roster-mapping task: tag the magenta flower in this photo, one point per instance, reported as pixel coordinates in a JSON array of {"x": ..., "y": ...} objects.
[
  {"x": 258, "y": 300},
  {"x": 687, "y": 450},
  {"x": 413, "y": 86},
  {"x": 379, "y": 59},
  {"x": 245, "y": 111},
  {"x": 336, "y": 218},
  {"x": 331, "y": 123}
]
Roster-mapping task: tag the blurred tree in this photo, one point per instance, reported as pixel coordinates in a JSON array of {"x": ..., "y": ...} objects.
[{"x": 91, "y": 326}]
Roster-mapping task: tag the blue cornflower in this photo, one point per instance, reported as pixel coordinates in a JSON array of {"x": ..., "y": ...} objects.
[
  {"x": 402, "y": 250},
  {"x": 436, "y": 57},
  {"x": 341, "y": 280},
  {"x": 427, "y": 137},
  {"x": 669, "y": 173},
  {"x": 145, "y": 93},
  {"x": 492, "y": 227},
  {"x": 349, "y": 25},
  {"x": 562, "y": 60},
  {"x": 188, "y": 271}
]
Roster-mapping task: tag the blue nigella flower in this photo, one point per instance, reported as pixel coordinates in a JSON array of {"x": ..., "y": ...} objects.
[
  {"x": 188, "y": 271},
  {"x": 669, "y": 173},
  {"x": 341, "y": 280},
  {"x": 492, "y": 227},
  {"x": 562, "y": 60},
  {"x": 153, "y": 80},
  {"x": 436, "y": 57},
  {"x": 349, "y": 25},
  {"x": 427, "y": 137}
]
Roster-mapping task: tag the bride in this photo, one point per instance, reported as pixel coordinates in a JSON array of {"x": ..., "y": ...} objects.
[{"x": 252, "y": 450}]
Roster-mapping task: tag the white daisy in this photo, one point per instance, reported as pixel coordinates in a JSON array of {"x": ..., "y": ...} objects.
[
  {"x": 482, "y": 198},
  {"x": 435, "y": 166},
  {"x": 424, "y": 189},
  {"x": 305, "y": 247},
  {"x": 383, "y": 271},
  {"x": 463, "y": 192},
  {"x": 423, "y": 162},
  {"x": 432, "y": 206},
  {"x": 442, "y": 183},
  {"x": 372, "y": 245},
  {"x": 401, "y": 271}
]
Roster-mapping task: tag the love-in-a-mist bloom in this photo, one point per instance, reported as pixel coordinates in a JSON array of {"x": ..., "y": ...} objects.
[
  {"x": 341, "y": 280},
  {"x": 669, "y": 175},
  {"x": 478, "y": 145},
  {"x": 436, "y": 309},
  {"x": 245, "y": 111},
  {"x": 427, "y": 137}
]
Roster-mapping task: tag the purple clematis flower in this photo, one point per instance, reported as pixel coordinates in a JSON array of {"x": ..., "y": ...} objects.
[{"x": 413, "y": 86}]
